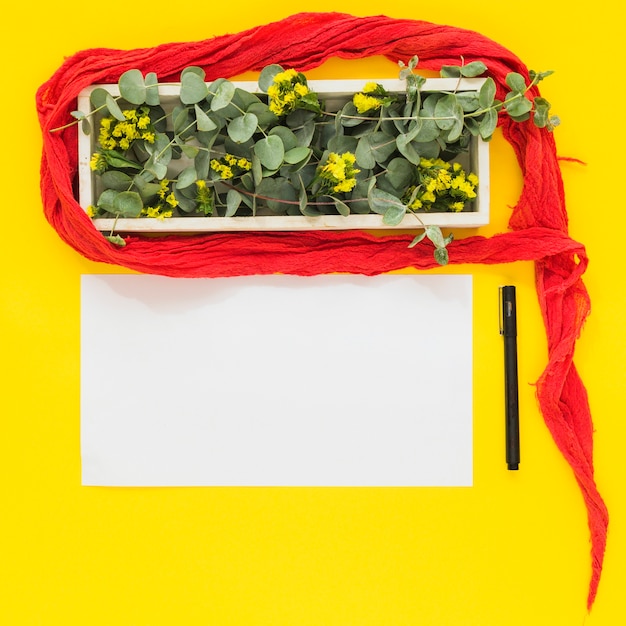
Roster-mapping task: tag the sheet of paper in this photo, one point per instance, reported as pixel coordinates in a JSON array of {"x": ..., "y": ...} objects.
[{"x": 276, "y": 381}]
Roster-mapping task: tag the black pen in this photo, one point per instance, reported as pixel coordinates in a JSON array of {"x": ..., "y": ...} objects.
[{"x": 508, "y": 329}]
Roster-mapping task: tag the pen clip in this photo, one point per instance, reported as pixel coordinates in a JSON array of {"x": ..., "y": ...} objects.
[{"x": 500, "y": 310}]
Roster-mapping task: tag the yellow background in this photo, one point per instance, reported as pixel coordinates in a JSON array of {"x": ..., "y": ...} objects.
[{"x": 513, "y": 549}]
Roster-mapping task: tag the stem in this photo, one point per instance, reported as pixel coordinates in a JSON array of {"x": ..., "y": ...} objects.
[{"x": 117, "y": 217}]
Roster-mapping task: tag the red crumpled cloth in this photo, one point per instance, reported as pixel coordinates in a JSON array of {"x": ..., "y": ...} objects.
[{"x": 538, "y": 222}]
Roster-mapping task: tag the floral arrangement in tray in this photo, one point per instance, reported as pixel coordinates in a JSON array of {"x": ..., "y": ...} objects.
[{"x": 222, "y": 151}]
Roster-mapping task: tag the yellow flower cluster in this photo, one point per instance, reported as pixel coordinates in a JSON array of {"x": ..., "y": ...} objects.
[
  {"x": 286, "y": 91},
  {"x": 367, "y": 100},
  {"x": 117, "y": 134},
  {"x": 338, "y": 173},
  {"x": 443, "y": 186},
  {"x": 165, "y": 204},
  {"x": 230, "y": 166},
  {"x": 204, "y": 198}
]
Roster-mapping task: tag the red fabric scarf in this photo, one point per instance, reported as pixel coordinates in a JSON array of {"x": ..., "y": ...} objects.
[{"x": 538, "y": 222}]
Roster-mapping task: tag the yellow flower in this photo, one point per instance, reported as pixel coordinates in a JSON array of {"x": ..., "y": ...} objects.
[
  {"x": 345, "y": 185},
  {"x": 300, "y": 89},
  {"x": 370, "y": 87},
  {"x": 163, "y": 188},
  {"x": 287, "y": 89},
  {"x": 365, "y": 103},
  {"x": 91, "y": 210},
  {"x": 98, "y": 162},
  {"x": 286, "y": 76},
  {"x": 338, "y": 173},
  {"x": 171, "y": 200},
  {"x": 152, "y": 211}
]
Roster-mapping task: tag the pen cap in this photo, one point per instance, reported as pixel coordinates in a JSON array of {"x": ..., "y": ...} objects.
[{"x": 508, "y": 310}]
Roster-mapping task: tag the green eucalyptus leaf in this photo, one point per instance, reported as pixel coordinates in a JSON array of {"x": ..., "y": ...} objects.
[
  {"x": 257, "y": 169},
  {"x": 348, "y": 116},
  {"x": 158, "y": 169},
  {"x": 279, "y": 194},
  {"x": 304, "y": 134},
  {"x": 128, "y": 204},
  {"x": 270, "y": 151},
  {"x": 297, "y": 155},
  {"x": 147, "y": 190},
  {"x": 517, "y": 106},
  {"x": 472, "y": 125},
  {"x": 342, "y": 207},
  {"x": 79, "y": 115},
  {"x": 85, "y": 126},
  {"x": 181, "y": 120},
  {"x": 203, "y": 121},
  {"x": 189, "y": 151},
  {"x": 468, "y": 100},
  {"x": 114, "y": 108},
  {"x": 364, "y": 153},
  {"x": 186, "y": 177},
  {"x": 394, "y": 215},
  {"x": 233, "y": 200},
  {"x": 400, "y": 173},
  {"x": 448, "y": 112},
  {"x": 408, "y": 149},
  {"x": 475, "y": 68},
  {"x": 488, "y": 124},
  {"x": 98, "y": 97},
  {"x": 266, "y": 78},
  {"x": 106, "y": 200},
  {"x": 115, "y": 159},
  {"x": 152, "y": 89},
  {"x": 242, "y": 128},
  {"x": 133, "y": 87},
  {"x": 417, "y": 239},
  {"x": 113, "y": 179},
  {"x": 516, "y": 82},
  {"x": 374, "y": 148},
  {"x": 193, "y": 69},
  {"x": 303, "y": 198},
  {"x": 342, "y": 143},
  {"x": 435, "y": 235},
  {"x": 450, "y": 71},
  {"x": 223, "y": 95},
  {"x": 381, "y": 201},
  {"x": 193, "y": 89},
  {"x": 487, "y": 93},
  {"x": 539, "y": 76},
  {"x": 428, "y": 130},
  {"x": 542, "y": 112},
  {"x": 201, "y": 163},
  {"x": 287, "y": 136},
  {"x": 441, "y": 256}
]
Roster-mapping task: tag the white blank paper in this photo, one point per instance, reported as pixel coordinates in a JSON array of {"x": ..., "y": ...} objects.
[{"x": 276, "y": 381}]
